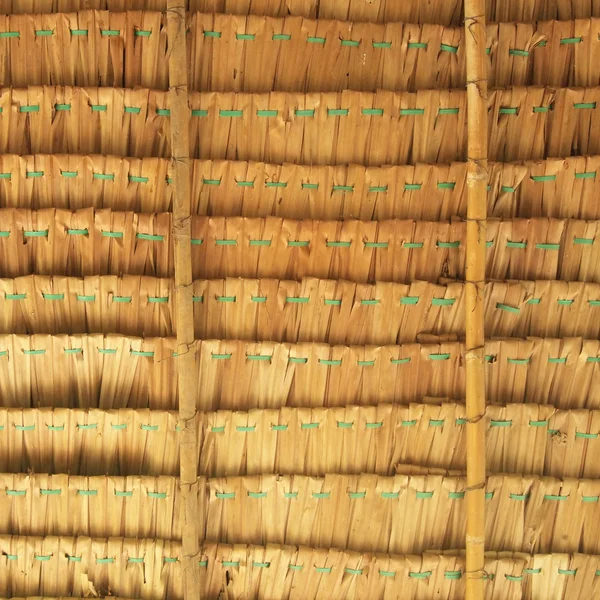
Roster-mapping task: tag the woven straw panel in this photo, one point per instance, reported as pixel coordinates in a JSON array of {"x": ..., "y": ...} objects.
[
  {"x": 413, "y": 131},
  {"x": 134, "y": 373},
  {"x": 89, "y": 242},
  {"x": 254, "y": 54},
  {"x": 445, "y": 12},
  {"x": 559, "y": 188},
  {"x": 528, "y": 439},
  {"x": 358, "y": 512},
  {"x": 311, "y": 310},
  {"x": 264, "y": 572},
  {"x": 85, "y": 567}
]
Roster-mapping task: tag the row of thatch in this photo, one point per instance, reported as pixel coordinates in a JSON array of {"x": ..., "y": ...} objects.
[
  {"x": 365, "y": 513},
  {"x": 555, "y": 188},
  {"x": 397, "y": 128},
  {"x": 309, "y": 310},
  {"x": 254, "y": 54},
  {"x": 151, "y": 569},
  {"x": 117, "y": 372},
  {"x": 527, "y": 439}
]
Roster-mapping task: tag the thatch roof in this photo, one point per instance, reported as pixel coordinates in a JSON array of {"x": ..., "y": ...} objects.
[{"x": 253, "y": 384}]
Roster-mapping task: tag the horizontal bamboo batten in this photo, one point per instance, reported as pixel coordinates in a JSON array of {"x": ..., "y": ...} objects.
[
  {"x": 528, "y": 439},
  {"x": 364, "y": 513},
  {"x": 319, "y": 129},
  {"x": 445, "y": 12},
  {"x": 557, "y": 188},
  {"x": 102, "y": 242},
  {"x": 121, "y": 372},
  {"x": 310, "y": 310},
  {"x": 129, "y": 49},
  {"x": 282, "y": 571}
]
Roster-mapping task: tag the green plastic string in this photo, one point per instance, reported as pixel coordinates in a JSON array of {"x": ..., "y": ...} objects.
[
  {"x": 586, "y": 175},
  {"x": 518, "y": 361},
  {"x": 547, "y": 246},
  {"x": 231, "y": 113},
  {"x": 110, "y": 32},
  {"x": 297, "y": 300},
  {"x": 266, "y": 113},
  {"x": 321, "y": 495},
  {"x": 376, "y": 244},
  {"x": 29, "y": 109},
  {"x": 225, "y": 495},
  {"x": 310, "y": 186},
  {"x": 412, "y": 245},
  {"x": 448, "y": 111},
  {"x": 519, "y": 497},
  {"x": 372, "y": 112},
  {"x": 382, "y": 44},
  {"x": 584, "y": 105},
  {"x": 387, "y": 573},
  {"x": 226, "y": 298},
  {"x": 532, "y": 571},
  {"x": 305, "y": 112},
  {"x": 337, "y": 112},
  {"x": 199, "y": 113},
  {"x": 508, "y": 110},
  {"x": 316, "y": 40},
  {"x": 515, "y": 52},
  {"x": 507, "y": 308},
  {"x": 245, "y": 428},
  {"x": 283, "y": 37},
  {"x": 520, "y": 245},
  {"x": 448, "y": 244},
  {"x": 556, "y": 498},
  {"x": 404, "y": 112},
  {"x": 390, "y": 495},
  {"x": 442, "y": 301},
  {"x": 448, "y": 48},
  {"x": 104, "y": 176},
  {"x": 246, "y": 37},
  {"x": 330, "y": 363},
  {"x": 375, "y": 425},
  {"x": 212, "y": 34},
  {"x": 53, "y": 296},
  {"x": 378, "y": 189},
  {"x": 567, "y": 571},
  {"x": 141, "y": 33},
  {"x": 432, "y": 422},
  {"x": 417, "y": 45},
  {"x": 452, "y": 574},
  {"x": 400, "y": 361},
  {"x": 424, "y": 495},
  {"x": 351, "y": 43}
]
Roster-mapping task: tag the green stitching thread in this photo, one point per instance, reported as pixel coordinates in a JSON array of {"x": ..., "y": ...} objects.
[{"x": 506, "y": 307}]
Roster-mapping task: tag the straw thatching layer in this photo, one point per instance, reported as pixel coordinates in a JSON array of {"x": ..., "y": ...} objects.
[
  {"x": 359, "y": 512},
  {"x": 311, "y": 310},
  {"x": 251, "y": 54},
  {"x": 557, "y": 188},
  {"x": 264, "y": 571},
  {"x": 528, "y": 439},
  {"x": 102, "y": 242},
  {"x": 419, "y": 11},
  {"x": 96, "y": 122},
  {"x": 133, "y": 373},
  {"x": 85, "y": 567}
]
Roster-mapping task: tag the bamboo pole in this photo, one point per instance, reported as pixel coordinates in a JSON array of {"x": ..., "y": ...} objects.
[
  {"x": 184, "y": 317},
  {"x": 477, "y": 176}
]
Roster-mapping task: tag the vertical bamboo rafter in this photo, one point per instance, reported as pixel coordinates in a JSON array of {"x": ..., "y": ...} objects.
[
  {"x": 477, "y": 176},
  {"x": 184, "y": 317}
]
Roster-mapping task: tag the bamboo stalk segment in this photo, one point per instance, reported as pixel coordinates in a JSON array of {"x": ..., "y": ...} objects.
[
  {"x": 555, "y": 188},
  {"x": 187, "y": 379},
  {"x": 475, "y": 270}
]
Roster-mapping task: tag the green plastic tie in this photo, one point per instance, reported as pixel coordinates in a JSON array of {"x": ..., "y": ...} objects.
[
  {"x": 409, "y": 300},
  {"x": 345, "y": 425},
  {"x": 119, "y": 426},
  {"x": 532, "y": 571},
  {"x": 281, "y": 37},
  {"x": 226, "y": 298},
  {"x": 297, "y": 300},
  {"x": 261, "y": 565},
  {"x": 593, "y": 359},
  {"x": 163, "y": 112},
  {"x": 158, "y": 299},
  {"x": 220, "y": 356},
  {"x": 351, "y": 43},
  {"x": 587, "y": 436},
  {"x": 9, "y": 34},
  {"x": 518, "y": 361},
  {"x": 448, "y": 111},
  {"x": 220, "y": 429},
  {"x": 424, "y": 495},
  {"x": 573, "y": 40},
  {"x": 547, "y": 246},
  {"x": 107, "y": 350},
  {"x": 369, "y": 302},
  {"x": 508, "y": 110},
  {"x": 87, "y": 492},
  {"x": 507, "y": 189},
  {"x": 456, "y": 495},
  {"x": 382, "y": 44},
  {"x": 53, "y": 296},
  {"x": 514, "y": 577},
  {"x": 590, "y": 499},
  {"x": 87, "y": 426},
  {"x": 310, "y": 186},
  {"x": 295, "y": 567},
  {"x": 260, "y": 299},
  {"x": 49, "y": 492},
  {"x": 149, "y": 427},
  {"x": 121, "y": 299},
  {"x": 212, "y": 34},
  {"x": 16, "y": 492},
  {"x": 55, "y": 427},
  {"x": 538, "y": 423},
  {"x": 245, "y": 183},
  {"x": 297, "y": 360},
  {"x": 231, "y": 113},
  {"x": 29, "y": 109},
  {"x": 374, "y": 425},
  {"x": 343, "y": 188},
  {"x": 123, "y": 494},
  {"x": 372, "y": 112},
  {"x": 149, "y": 237},
  {"x": 323, "y": 569},
  {"x": 266, "y": 113},
  {"x": 378, "y": 189},
  {"x": 290, "y": 494},
  {"x": 507, "y": 308},
  {"x": 357, "y": 495},
  {"x": 62, "y": 107},
  {"x": 533, "y": 301},
  {"x": 259, "y": 357},
  {"x": 142, "y": 33},
  {"x": 79, "y": 31},
  {"x": 390, "y": 495},
  {"x": 387, "y": 573},
  {"x": 377, "y": 244},
  {"x": 412, "y": 245},
  {"x": 315, "y": 40},
  {"x": 515, "y": 52},
  {"x": 594, "y": 302},
  {"x": 583, "y": 105},
  {"x": 29, "y": 234},
  {"x": 353, "y": 571},
  {"x": 501, "y": 423},
  {"x": 452, "y": 574},
  {"x": 137, "y": 179},
  {"x": 199, "y": 113},
  {"x": 567, "y": 571},
  {"x": 157, "y": 495},
  {"x": 444, "y": 356},
  {"x": 309, "y": 426},
  {"x": 279, "y": 427},
  {"x": 446, "y": 185},
  {"x": 586, "y": 175},
  {"x": 77, "y": 231},
  {"x": 448, "y": 244},
  {"x": 98, "y": 107},
  {"x": 564, "y": 302},
  {"x": 448, "y": 48},
  {"x": 583, "y": 241},
  {"x": 543, "y": 109},
  {"x": 432, "y": 422},
  {"x": 225, "y": 495},
  {"x": 73, "y": 350},
  {"x": 198, "y": 299},
  {"x": 412, "y": 186},
  {"x": 557, "y": 498},
  {"x": 417, "y": 45},
  {"x": 231, "y": 563},
  {"x": 245, "y": 428},
  {"x": 542, "y": 178},
  {"x": 275, "y": 184},
  {"x": 245, "y": 37},
  {"x": 70, "y": 175},
  {"x": 332, "y": 302},
  {"x": 309, "y": 112},
  {"x": 400, "y": 361},
  {"x": 521, "y": 245},
  {"x": 5, "y": 175},
  {"x": 321, "y": 495},
  {"x": 110, "y": 32},
  {"x": 25, "y": 427},
  {"x": 365, "y": 363},
  {"x": 135, "y": 560},
  {"x": 106, "y": 176},
  {"x": 489, "y": 495},
  {"x": 338, "y": 112},
  {"x": 330, "y": 363},
  {"x": 520, "y": 497},
  {"x": 405, "y": 112}
]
